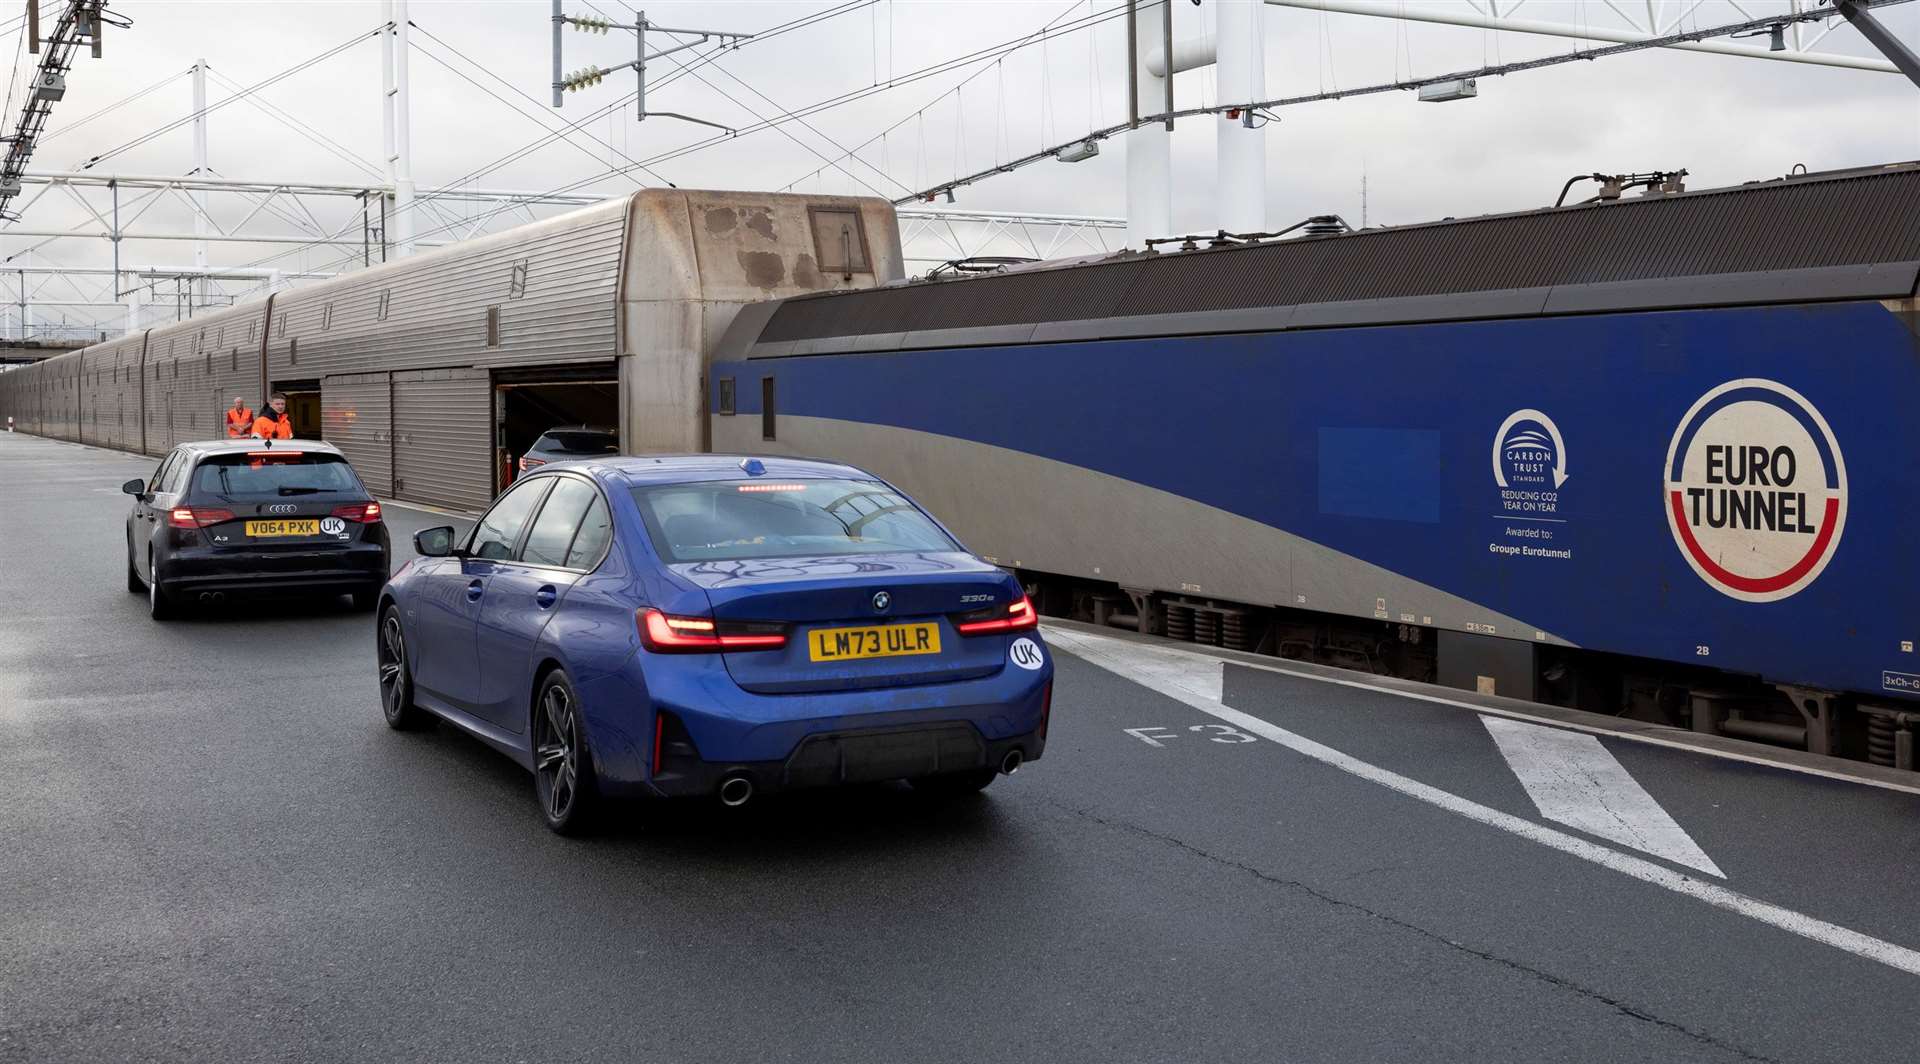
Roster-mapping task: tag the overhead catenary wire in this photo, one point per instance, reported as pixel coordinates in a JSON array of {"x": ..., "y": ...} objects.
[
  {"x": 256, "y": 87},
  {"x": 13, "y": 79},
  {"x": 983, "y": 55},
  {"x": 421, "y": 202},
  {"x": 1046, "y": 32},
  {"x": 266, "y": 106},
  {"x": 829, "y": 103},
  {"x": 777, "y": 30},
  {"x": 804, "y": 124},
  {"x": 761, "y": 37},
  {"x": 539, "y": 121},
  {"x": 340, "y": 151},
  {"x": 115, "y": 106},
  {"x": 1403, "y": 85}
]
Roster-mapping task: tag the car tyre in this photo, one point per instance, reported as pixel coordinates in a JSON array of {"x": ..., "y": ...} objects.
[
  {"x": 563, "y": 776},
  {"x": 396, "y": 673},
  {"x": 954, "y": 784},
  {"x": 364, "y": 601},
  {"x": 135, "y": 585},
  {"x": 160, "y": 605}
]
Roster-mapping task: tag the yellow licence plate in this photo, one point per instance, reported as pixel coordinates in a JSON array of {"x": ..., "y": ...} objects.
[
  {"x": 265, "y": 529},
  {"x": 889, "y": 641}
]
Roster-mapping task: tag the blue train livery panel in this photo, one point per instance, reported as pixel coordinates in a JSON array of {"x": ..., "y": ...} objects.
[{"x": 1733, "y": 487}]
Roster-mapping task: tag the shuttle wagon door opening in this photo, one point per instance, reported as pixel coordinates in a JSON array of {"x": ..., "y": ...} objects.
[
  {"x": 524, "y": 409},
  {"x": 304, "y": 407}
]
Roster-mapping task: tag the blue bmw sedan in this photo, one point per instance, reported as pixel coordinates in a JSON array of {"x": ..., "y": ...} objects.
[{"x": 707, "y": 625}]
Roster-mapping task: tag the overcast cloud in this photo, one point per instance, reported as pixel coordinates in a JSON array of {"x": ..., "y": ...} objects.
[{"x": 1726, "y": 120}]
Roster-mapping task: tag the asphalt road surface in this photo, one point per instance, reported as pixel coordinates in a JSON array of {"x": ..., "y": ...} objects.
[{"x": 212, "y": 849}]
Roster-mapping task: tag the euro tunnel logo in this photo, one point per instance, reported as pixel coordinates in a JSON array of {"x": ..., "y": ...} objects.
[{"x": 1756, "y": 490}]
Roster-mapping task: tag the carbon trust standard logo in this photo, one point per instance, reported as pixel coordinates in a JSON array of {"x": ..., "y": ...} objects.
[
  {"x": 1756, "y": 490},
  {"x": 1529, "y": 453}
]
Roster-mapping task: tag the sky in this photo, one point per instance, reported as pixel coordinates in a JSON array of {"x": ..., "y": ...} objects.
[{"x": 480, "y": 75}]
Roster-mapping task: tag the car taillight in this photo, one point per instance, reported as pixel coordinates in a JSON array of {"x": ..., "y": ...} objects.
[
  {"x": 197, "y": 517},
  {"x": 364, "y": 512},
  {"x": 529, "y": 463},
  {"x": 1015, "y": 616},
  {"x": 667, "y": 634}
]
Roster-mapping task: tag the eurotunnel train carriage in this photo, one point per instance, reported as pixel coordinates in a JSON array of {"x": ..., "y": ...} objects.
[
  {"x": 110, "y": 412},
  {"x": 432, "y": 372},
  {"x": 1674, "y": 430}
]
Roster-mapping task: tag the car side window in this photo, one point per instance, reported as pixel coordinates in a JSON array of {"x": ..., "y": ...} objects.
[
  {"x": 559, "y": 519},
  {"x": 596, "y": 529},
  {"x": 167, "y": 478},
  {"x": 176, "y": 482},
  {"x": 160, "y": 474},
  {"x": 497, "y": 532}
]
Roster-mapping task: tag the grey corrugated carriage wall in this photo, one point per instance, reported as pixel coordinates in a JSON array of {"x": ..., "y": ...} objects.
[{"x": 406, "y": 356}]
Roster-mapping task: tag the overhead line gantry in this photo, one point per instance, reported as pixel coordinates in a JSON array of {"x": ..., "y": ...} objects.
[{"x": 79, "y": 21}]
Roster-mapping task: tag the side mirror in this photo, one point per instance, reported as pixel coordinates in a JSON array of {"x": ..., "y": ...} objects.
[
  {"x": 134, "y": 487},
  {"x": 434, "y": 542}
]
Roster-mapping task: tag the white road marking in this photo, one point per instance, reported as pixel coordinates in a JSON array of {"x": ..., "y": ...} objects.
[
  {"x": 1150, "y": 740},
  {"x": 1648, "y": 739},
  {"x": 1573, "y": 780},
  {"x": 1196, "y": 681}
]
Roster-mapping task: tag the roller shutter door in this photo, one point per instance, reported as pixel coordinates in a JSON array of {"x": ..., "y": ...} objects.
[
  {"x": 356, "y": 415},
  {"x": 443, "y": 437}
]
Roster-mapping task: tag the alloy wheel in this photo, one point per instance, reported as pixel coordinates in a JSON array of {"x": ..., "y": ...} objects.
[
  {"x": 557, "y": 753},
  {"x": 158, "y": 607},
  {"x": 393, "y": 668}
]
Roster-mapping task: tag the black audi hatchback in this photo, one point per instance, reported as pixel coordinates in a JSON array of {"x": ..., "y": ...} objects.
[{"x": 229, "y": 518}]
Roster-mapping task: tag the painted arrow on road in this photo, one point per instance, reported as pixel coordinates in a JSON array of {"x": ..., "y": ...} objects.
[{"x": 1573, "y": 780}]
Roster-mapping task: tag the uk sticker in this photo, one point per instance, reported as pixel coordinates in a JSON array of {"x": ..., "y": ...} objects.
[
  {"x": 1756, "y": 490},
  {"x": 332, "y": 526},
  {"x": 1026, "y": 654}
]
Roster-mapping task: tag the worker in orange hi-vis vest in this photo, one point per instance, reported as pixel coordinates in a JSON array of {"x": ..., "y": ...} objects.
[
  {"x": 239, "y": 420},
  {"x": 273, "y": 423}
]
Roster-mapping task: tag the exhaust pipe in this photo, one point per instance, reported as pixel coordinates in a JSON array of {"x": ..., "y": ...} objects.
[
  {"x": 736, "y": 792},
  {"x": 1011, "y": 763},
  {"x": 213, "y": 596}
]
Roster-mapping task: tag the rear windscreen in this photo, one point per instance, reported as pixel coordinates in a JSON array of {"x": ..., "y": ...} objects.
[
  {"x": 586, "y": 442},
  {"x": 265, "y": 475},
  {"x": 732, "y": 519}
]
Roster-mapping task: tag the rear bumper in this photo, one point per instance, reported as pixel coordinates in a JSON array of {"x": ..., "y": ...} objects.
[
  {"x": 801, "y": 740},
  {"x": 867, "y": 755},
  {"x": 361, "y": 567}
]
